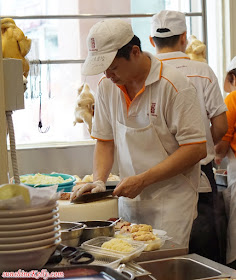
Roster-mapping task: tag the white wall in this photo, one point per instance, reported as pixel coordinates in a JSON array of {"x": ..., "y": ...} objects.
[{"x": 73, "y": 160}]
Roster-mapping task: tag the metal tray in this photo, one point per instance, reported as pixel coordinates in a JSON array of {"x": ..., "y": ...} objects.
[
  {"x": 92, "y": 197},
  {"x": 72, "y": 272}
]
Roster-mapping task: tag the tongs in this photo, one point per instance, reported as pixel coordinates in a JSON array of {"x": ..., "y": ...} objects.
[
  {"x": 76, "y": 255},
  {"x": 73, "y": 255}
]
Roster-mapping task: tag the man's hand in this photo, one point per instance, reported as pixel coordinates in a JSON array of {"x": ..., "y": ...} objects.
[
  {"x": 218, "y": 160},
  {"x": 129, "y": 187},
  {"x": 95, "y": 187}
]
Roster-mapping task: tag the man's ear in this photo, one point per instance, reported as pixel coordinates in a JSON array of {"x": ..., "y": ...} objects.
[
  {"x": 151, "y": 41},
  {"x": 135, "y": 50},
  {"x": 234, "y": 81},
  {"x": 183, "y": 38},
  {"x": 227, "y": 85}
]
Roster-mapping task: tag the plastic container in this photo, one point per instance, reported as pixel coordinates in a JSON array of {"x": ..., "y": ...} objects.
[
  {"x": 149, "y": 245},
  {"x": 67, "y": 186},
  {"x": 96, "y": 243},
  {"x": 221, "y": 177},
  {"x": 104, "y": 259}
]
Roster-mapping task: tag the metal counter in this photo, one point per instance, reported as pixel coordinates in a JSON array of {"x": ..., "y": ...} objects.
[{"x": 169, "y": 249}]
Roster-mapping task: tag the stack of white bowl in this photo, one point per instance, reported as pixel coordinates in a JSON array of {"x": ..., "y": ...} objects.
[{"x": 28, "y": 237}]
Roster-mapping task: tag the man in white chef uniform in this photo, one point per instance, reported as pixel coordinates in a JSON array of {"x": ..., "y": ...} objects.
[
  {"x": 168, "y": 36},
  {"x": 150, "y": 116}
]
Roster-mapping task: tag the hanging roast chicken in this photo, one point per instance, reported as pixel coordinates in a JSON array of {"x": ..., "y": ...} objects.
[
  {"x": 84, "y": 107},
  {"x": 14, "y": 43}
]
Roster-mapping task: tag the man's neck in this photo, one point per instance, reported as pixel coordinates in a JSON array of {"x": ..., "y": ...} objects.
[
  {"x": 137, "y": 82},
  {"x": 167, "y": 50}
]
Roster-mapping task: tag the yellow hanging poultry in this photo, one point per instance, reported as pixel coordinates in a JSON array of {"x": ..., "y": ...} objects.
[
  {"x": 14, "y": 43},
  {"x": 84, "y": 107}
]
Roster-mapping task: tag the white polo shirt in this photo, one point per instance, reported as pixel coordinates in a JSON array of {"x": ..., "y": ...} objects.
[
  {"x": 208, "y": 91},
  {"x": 175, "y": 109}
]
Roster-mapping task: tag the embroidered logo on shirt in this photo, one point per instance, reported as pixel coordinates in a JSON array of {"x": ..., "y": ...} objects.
[{"x": 153, "y": 109}]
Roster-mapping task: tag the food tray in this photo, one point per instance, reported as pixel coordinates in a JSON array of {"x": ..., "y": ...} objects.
[
  {"x": 96, "y": 243},
  {"x": 148, "y": 245}
]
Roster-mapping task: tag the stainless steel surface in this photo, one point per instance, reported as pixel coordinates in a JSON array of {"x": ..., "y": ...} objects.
[
  {"x": 121, "y": 269},
  {"x": 97, "y": 228},
  {"x": 169, "y": 249},
  {"x": 75, "y": 270},
  {"x": 204, "y": 25},
  {"x": 58, "y": 61},
  {"x": 89, "y": 16},
  {"x": 188, "y": 267},
  {"x": 71, "y": 237},
  {"x": 133, "y": 270}
]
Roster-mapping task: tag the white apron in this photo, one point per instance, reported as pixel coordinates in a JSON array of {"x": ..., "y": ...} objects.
[
  {"x": 230, "y": 200},
  {"x": 169, "y": 205}
]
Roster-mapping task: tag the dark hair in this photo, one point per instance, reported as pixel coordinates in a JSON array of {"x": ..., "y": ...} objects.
[
  {"x": 230, "y": 75},
  {"x": 166, "y": 42},
  {"x": 126, "y": 49}
]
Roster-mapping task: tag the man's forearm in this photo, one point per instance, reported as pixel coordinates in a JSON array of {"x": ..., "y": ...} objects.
[
  {"x": 222, "y": 148},
  {"x": 103, "y": 160},
  {"x": 219, "y": 127}
]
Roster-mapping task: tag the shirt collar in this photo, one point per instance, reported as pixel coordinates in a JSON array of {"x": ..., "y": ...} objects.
[
  {"x": 172, "y": 55},
  {"x": 155, "y": 70}
]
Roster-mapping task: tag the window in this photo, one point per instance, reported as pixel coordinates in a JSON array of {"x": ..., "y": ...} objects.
[{"x": 58, "y": 30}]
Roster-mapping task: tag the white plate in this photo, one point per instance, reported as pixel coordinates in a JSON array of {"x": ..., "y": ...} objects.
[
  {"x": 29, "y": 238},
  {"x": 30, "y": 225},
  {"x": 159, "y": 232},
  {"x": 27, "y": 212},
  {"x": 27, "y": 259},
  {"x": 28, "y": 219},
  {"x": 29, "y": 232},
  {"x": 28, "y": 245}
]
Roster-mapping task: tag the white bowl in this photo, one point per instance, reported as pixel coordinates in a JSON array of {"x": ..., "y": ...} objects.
[
  {"x": 27, "y": 259},
  {"x": 30, "y": 225},
  {"x": 27, "y": 212},
  {"x": 29, "y": 238},
  {"x": 29, "y": 219},
  {"x": 27, "y": 232},
  {"x": 28, "y": 245}
]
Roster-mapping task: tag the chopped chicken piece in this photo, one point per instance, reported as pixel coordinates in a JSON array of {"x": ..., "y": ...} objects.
[
  {"x": 141, "y": 227},
  {"x": 143, "y": 236}
]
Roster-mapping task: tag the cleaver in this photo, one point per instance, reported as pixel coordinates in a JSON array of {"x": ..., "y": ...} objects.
[{"x": 92, "y": 197}]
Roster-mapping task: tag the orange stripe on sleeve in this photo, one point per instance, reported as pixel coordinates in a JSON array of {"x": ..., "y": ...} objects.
[
  {"x": 192, "y": 76},
  {"x": 105, "y": 140},
  {"x": 193, "y": 143}
]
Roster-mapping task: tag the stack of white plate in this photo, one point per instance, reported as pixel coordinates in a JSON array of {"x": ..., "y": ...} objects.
[{"x": 28, "y": 237}]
